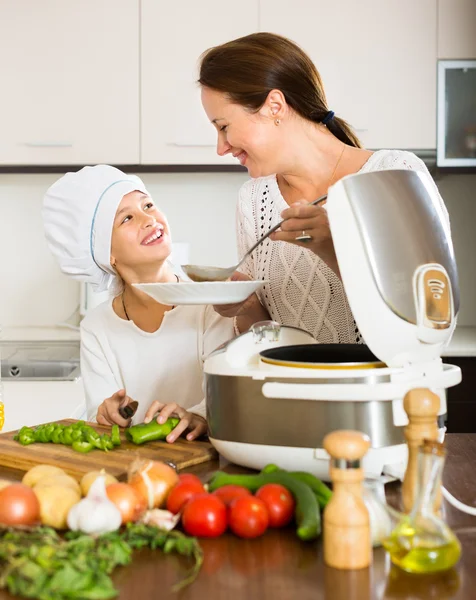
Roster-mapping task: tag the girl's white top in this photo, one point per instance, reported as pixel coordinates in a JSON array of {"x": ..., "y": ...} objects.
[
  {"x": 166, "y": 365},
  {"x": 302, "y": 291}
]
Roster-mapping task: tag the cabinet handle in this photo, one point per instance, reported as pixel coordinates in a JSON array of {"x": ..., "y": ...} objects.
[{"x": 49, "y": 144}]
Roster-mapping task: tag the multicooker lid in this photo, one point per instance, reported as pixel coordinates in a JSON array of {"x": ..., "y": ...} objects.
[{"x": 393, "y": 244}]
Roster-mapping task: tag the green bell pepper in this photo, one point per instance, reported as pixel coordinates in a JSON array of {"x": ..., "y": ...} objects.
[
  {"x": 57, "y": 434},
  {"x": 83, "y": 447},
  {"x": 148, "y": 432},
  {"x": 115, "y": 435}
]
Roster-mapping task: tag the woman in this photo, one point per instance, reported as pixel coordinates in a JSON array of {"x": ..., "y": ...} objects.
[
  {"x": 104, "y": 228},
  {"x": 266, "y": 100}
]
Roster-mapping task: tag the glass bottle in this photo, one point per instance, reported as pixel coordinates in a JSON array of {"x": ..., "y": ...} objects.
[{"x": 422, "y": 542}]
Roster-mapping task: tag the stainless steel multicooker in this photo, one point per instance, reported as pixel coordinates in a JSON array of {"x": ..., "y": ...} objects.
[{"x": 273, "y": 393}]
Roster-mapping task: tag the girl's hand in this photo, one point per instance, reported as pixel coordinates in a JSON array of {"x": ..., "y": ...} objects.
[
  {"x": 313, "y": 220},
  {"x": 196, "y": 424},
  {"x": 108, "y": 411}
]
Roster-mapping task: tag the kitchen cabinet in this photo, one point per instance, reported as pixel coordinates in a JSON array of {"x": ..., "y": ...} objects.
[
  {"x": 456, "y": 29},
  {"x": 174, "y": 127},
  {"x": 70, "y": 82},
  {"x": 377, "y": 61},
  {"x": 461, "y": 399}
]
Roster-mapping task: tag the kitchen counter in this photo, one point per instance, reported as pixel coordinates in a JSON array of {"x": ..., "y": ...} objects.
[
  {"x": 39, "y": 334},
  {"x": 463, "y": 342},
  {"x": 278, "y": 566}
]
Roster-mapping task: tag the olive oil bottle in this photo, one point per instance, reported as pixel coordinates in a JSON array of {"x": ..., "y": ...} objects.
[{"x": 422, "y": 542}]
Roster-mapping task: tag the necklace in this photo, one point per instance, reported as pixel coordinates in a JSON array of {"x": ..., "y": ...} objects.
[
  {"x": 124, "y": 306},
  {"x": 344, "y": 146}
]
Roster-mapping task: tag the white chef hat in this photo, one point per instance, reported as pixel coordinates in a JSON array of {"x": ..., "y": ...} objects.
[{"x": 78, "y": 216}]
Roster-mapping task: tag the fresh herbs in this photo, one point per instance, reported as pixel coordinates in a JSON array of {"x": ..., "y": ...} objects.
[
  {"x": 80, "y": 436},
  {"x": 40, "y": 564}
]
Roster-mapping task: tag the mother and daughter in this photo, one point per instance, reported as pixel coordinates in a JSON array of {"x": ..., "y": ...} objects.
[{"x": 265, "y": 98}]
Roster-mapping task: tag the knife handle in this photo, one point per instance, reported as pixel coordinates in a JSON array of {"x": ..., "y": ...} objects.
[{"x": 129, "y": 410}]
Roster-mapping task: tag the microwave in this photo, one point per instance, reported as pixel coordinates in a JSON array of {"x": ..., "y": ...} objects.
[{"x": 456, "y": 113}]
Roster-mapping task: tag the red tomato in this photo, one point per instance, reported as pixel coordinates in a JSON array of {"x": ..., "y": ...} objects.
[
  {"x": 228, "y": 493},
  {"x": 248, "y": 517},
  {"x": 279, "y": 502},
  {"x": 204, "y": 516},
  {"x": 189, "y": 477},
  {"x": 183, "y": 492}
]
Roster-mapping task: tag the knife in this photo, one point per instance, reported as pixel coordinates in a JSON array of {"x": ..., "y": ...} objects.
[{"x": 129, "y": 410}]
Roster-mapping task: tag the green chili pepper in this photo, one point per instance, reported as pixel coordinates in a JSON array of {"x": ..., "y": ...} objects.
[
  {"x": 307, "y": 513},
  {"x": 115, "y": 435},
  {"x": 321, "y": 490},
  {"x": 148, "y": 432},
  {"x": 83, "y": 447}
]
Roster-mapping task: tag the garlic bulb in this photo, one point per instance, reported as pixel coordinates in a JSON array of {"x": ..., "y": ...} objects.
[{"x": 95, "y": 514}]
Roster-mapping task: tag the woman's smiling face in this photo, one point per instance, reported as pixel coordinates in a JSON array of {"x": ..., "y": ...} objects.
[
  {"x": 140, "y": 234},
  {"x": 252, "y": 138}
]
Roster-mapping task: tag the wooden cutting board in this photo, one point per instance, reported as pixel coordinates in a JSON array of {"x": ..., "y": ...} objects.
[{"x": 116, "y": 462}]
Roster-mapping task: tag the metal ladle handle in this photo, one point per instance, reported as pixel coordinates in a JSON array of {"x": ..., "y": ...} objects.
[{"x": 273, "y": 229}]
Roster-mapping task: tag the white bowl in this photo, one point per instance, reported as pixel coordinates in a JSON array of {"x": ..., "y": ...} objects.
[{"x": 206, "y": 292}]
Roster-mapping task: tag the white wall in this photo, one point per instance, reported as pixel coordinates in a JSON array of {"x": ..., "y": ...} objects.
[{"x": 200, "y": 208}]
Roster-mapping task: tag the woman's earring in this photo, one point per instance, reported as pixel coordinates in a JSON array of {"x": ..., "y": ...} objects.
[{"x": 277, "y": 122}]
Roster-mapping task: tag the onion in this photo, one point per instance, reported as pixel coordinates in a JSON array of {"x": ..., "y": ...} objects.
[
  {"x": 153, "y": 480},
  {"x": 127, "y": 500},
  {"x": 19, "y": 505}
]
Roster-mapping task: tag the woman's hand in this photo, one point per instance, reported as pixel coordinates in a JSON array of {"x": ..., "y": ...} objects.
[
  {"x": 108, "y": 411},
  {"x": 195, "y": 423},
  {"x": 304, "y": 217},
  {"x": 248, "y": 312}
]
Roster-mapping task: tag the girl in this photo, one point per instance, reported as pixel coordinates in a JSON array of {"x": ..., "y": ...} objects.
[{"x": 104, "y": 228}]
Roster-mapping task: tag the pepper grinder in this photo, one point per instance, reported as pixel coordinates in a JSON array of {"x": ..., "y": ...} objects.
[
  {"x": 421, "y": 406},
  {"x": 347, "y": 540}
]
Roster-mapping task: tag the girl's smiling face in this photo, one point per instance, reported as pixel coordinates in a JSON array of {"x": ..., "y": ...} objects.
[{"x": 140, "y": 234}]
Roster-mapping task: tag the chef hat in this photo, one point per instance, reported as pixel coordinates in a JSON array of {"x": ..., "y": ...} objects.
[{"x": 78, "y": 215}]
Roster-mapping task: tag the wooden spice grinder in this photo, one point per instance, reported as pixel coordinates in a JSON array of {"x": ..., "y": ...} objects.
[{"x": 347, "y": 538}]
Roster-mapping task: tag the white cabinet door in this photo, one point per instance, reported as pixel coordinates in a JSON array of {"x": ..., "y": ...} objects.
[
  {"x": 69, "y": 77},
  {"x": 377, "y": 60},
  {"x": 456, "y": 29},
  {"x": 174, "y": 127}
]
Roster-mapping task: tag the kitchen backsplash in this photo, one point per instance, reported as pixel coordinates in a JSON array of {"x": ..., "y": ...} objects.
[{"x": 201, "y": 211}]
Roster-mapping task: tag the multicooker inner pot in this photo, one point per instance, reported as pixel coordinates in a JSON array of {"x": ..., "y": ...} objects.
[{"x": 273, "y": 393}]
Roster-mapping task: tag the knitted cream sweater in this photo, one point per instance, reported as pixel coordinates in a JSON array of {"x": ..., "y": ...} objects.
[{"x": 302, "y": 290}]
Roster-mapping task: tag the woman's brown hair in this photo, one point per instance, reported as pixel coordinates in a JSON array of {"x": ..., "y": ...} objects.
[{"x": 248, "y": 68}]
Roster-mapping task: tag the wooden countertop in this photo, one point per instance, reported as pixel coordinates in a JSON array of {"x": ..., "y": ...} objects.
[{"x": 278, "y": 566}]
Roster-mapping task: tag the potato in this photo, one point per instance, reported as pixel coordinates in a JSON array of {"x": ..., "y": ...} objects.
[
  {"x": 55, "y": 504},
  {"x": 33, "y": 476},
  {"x": 90, "y": 478},
  {"x": 61, "y": 480}
]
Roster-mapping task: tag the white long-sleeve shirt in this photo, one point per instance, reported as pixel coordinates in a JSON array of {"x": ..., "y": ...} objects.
[
  {"x": 166, "y": 365},
  {"x": 302, "y": 291}
]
